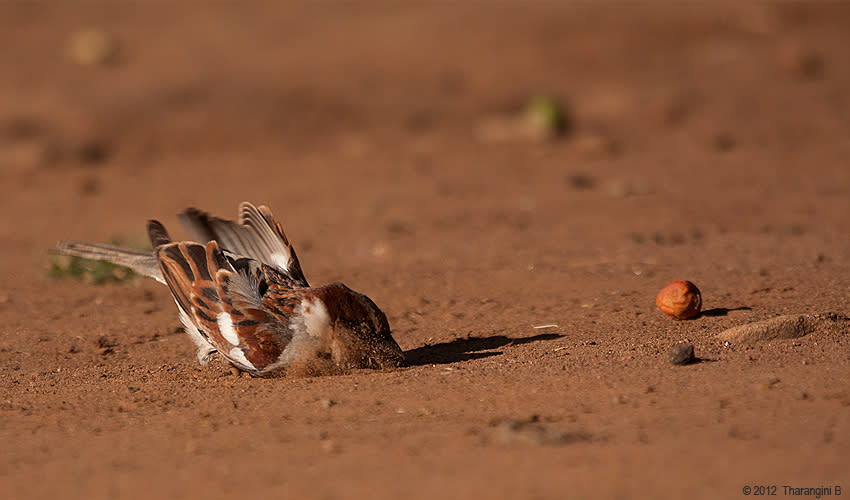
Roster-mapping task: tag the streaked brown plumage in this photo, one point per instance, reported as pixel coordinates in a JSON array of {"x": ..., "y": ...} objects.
[{"x": 243, "y": 294}]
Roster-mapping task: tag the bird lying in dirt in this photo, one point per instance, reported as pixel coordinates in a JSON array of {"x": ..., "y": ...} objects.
[{"x": 242, "y": 294}]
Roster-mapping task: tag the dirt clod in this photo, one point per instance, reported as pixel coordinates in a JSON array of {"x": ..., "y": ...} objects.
[{"x": 786, "y": 327}]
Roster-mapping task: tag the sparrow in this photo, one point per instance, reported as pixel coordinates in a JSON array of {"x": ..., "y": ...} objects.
[{"x": 242, "y": 294}]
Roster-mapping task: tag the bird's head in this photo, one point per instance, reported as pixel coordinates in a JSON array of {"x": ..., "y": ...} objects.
[{"x": 357, "y": 331}]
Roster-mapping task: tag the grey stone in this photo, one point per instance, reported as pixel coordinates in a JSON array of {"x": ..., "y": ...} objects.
[{"x": 682, "y": 354}]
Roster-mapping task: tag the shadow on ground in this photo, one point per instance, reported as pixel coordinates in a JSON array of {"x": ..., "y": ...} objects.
[
  {"x": 468, "y": 348},
  {"x": 723, "y": 311}
]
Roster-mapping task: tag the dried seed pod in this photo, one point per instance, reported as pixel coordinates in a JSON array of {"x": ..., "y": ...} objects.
[{"x": 680, "y": 299}]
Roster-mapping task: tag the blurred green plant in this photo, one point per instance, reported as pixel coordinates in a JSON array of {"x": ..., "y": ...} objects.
[
  {"x": 547, "y": 115},
  {"x": 94, "y": 271}
]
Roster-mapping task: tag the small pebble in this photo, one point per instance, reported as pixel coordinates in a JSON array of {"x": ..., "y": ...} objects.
[
  {"x": 724, "y": 142},
  {"x": 595, "y": 145},
  {"x": 534, "y": 432},
  {"x": 580, "y": 181},
  {"x": 89, "y": 186},
  {"x": 92, "y": 152},
  {"x": 622, "y": 188},
  {"x": 801, "y": 61},
  {"x": 380, "y": 249},
  {"x": 682, "y": 354},
  {"x": 22, "y": 129},
  {"x": 92, "y": 47}
]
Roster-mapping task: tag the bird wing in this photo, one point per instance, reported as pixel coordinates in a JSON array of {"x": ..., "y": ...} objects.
[
  {"x": 257, "y": 235},
  {"x": 223, "y": 297}
]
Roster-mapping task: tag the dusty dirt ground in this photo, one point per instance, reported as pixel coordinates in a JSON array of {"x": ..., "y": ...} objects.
[{"x": 709, "y": 142}]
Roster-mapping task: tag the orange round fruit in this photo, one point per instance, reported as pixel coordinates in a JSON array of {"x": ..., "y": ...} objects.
[{"x": 680, "y": 299}]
